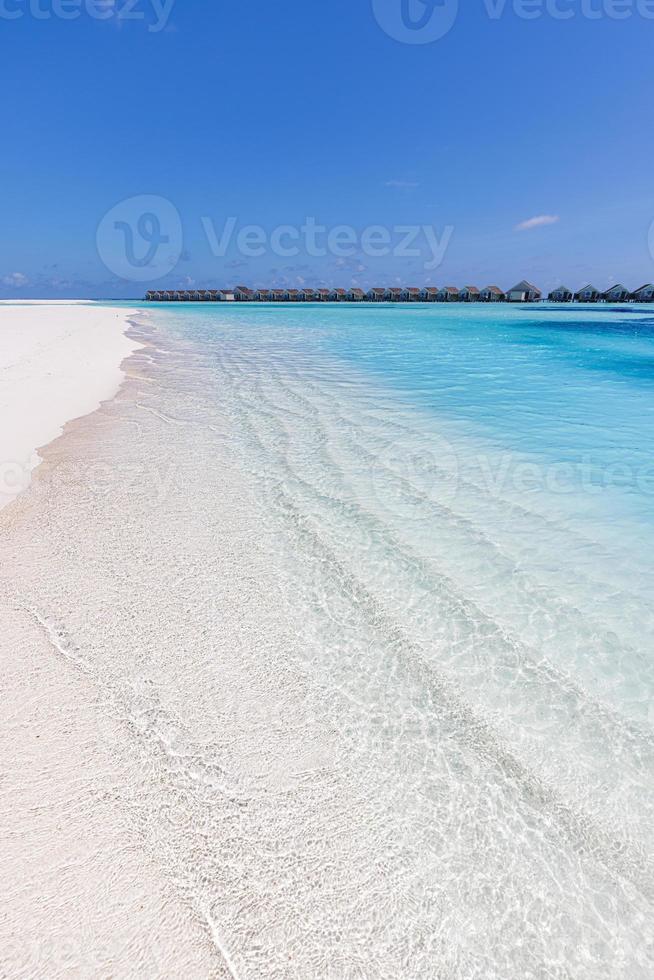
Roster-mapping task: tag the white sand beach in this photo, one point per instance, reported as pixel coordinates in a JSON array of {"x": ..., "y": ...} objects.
[
  {"x": 280, "y": 702},
  {"x": 81, "y": 897},
  {"x": 57, "y": 362}
]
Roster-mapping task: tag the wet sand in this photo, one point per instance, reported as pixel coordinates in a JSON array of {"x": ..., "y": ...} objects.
[
  {"x": 82, "y": 895},
  {"x": 289, "y": 712}
]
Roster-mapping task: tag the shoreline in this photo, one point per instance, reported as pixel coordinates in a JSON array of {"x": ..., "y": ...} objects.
[
  {"x": 87, "y": 895},
  {"x": 58, "y": 363},
  {"x": 233, "y": 750}
]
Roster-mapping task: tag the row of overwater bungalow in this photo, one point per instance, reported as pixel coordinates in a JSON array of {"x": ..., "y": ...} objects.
[
  {"x": 523, "y": 292},
  {"x": 616, "y": 294}
]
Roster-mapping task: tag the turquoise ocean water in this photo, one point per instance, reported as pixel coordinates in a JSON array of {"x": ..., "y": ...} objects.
[
  {"x": 478, "y": 483},
  {"x": 382, "y": 631},
  {"x": 496, "y": 413}
]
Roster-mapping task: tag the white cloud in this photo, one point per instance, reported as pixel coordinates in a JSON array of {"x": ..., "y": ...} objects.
[
  {"x": 15, "y": 279},
  {"x": 538, "y": 222},
  {"x": 353, "y": 265},
  {"x": 402, "y": 183}
]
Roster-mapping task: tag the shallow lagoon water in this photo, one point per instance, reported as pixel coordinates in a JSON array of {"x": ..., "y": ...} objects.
[{"x": 368, "y": 610}]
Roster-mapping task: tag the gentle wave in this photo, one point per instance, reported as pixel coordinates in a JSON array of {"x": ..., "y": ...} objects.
[{"x": 385, "y": 718}]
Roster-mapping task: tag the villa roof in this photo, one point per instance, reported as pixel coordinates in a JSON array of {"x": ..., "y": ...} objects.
[
  {"x": 493, "y": 289},
  {"x": 647, "y": 285},
  {"x": 471, "y": 289},
  {"x": 524, "y": 286},
  {"x": 618, "y": 285},
  {"x": 590, "y": 287}
]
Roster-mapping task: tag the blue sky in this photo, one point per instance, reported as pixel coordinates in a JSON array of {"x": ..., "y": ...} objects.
[{"x": 269, "y": 113}]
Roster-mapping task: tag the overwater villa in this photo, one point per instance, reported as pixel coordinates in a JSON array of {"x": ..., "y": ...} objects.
[
  {"x": 589, "y": 294},
  {"x": 492, "y": 294},
  {"x": 561, "y": 295},
  {"x": 617, "y": 294},
  {"x": 645, "y": 294},
  {"x": 524, "y": 292}
]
